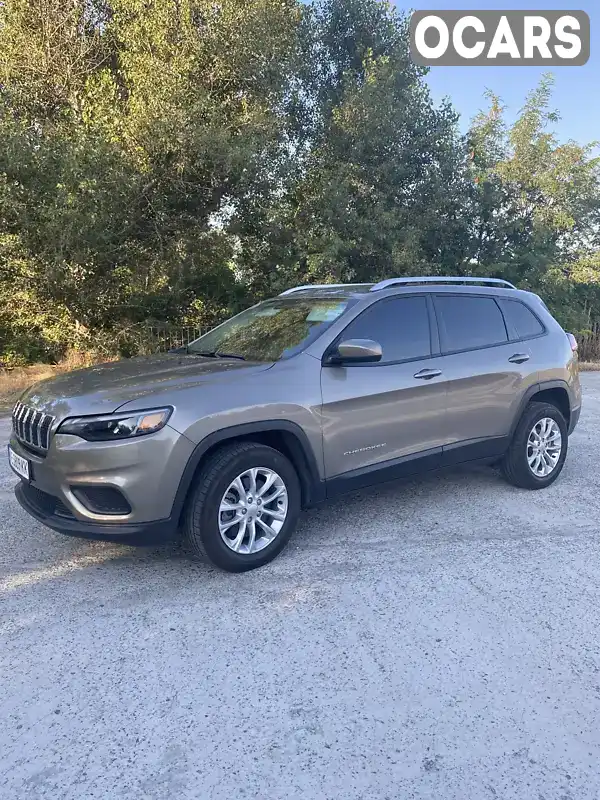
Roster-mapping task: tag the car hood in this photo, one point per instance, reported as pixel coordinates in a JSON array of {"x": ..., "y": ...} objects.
[{"x": 106, "y": 387}]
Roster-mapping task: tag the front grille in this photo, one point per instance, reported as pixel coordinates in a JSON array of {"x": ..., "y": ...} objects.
[
  {"x": 41, "y": 500},
  {"x": 61, "y": 510},
  {"x": 32, "y": 427},
  {"x": 45, "y": 503}
]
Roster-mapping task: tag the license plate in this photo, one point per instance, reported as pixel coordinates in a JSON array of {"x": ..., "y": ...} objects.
[{"x": 19, "y": 464}]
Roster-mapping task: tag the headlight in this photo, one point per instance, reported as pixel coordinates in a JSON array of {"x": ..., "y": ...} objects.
[{"x": 109, "y": 427}]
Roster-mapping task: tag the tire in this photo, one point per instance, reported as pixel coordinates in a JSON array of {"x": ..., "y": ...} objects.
[
  {"x": 203, "y": 513},
  {"x": 515, "y": 464}
]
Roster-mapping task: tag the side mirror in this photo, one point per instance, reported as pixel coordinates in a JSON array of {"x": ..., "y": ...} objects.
[{"x": 356, "y": 351}]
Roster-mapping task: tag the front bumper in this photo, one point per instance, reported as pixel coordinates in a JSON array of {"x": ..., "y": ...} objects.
[
  {"x": 143, "y": 533},
  {"x": 146, "y": 471},
  {"x": 45, "y": 511}
]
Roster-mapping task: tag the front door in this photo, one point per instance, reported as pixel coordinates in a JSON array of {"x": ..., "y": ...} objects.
[{"x": 388, "y": 415}]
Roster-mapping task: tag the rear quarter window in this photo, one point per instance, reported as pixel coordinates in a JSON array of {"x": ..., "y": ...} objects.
[{"x": 522, "y": 323}]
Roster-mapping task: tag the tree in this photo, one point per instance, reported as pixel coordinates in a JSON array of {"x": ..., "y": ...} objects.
[
  {"x": 132, "y": 131},
  {"x": 537, "y": 200},
  {"x": 175, "y": 161},
  {"x": 381, "y": 181}
]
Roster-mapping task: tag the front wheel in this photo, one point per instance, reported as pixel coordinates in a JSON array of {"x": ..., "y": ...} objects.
[
  {"x": 244, "y": 507},
  {"x": 538, "y": 449}
]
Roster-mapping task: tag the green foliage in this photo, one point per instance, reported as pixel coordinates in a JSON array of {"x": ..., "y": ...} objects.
[
  {"x": 174, "y": 162},
  {"x": 536, "y": 212}
]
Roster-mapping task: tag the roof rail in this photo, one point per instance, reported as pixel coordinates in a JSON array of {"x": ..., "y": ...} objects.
[
  {"x": 322, "y": 286},
  {"x": 387, "y": 284}
]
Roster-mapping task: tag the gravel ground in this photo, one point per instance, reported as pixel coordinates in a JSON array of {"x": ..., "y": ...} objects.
[{"x": 436, "y": 639}]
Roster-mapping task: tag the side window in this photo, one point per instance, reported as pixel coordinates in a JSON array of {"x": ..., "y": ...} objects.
[
  {"x": 521, "y": 319},
  {"x": 400, "y": 325},
  {"x": 468, "y": 322}
]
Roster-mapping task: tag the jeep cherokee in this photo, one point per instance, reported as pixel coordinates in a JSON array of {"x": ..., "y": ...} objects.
[{"x": 321, "y": 390}]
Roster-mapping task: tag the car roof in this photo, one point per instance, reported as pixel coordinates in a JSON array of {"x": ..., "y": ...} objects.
[
  {"x": 317, "y": 292},
  {"x": 374, "y": 291}
]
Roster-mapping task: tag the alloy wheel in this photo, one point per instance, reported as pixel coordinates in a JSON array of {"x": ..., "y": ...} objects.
[
  {"x": 253, "y": 510},
  {"x": 544, "y": 446}
]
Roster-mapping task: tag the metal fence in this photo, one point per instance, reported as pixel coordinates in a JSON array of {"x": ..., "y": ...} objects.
[
  {"x": 161, "y": 338},
  {"x": 149, "y": 338},
  {"x": 145, "y": 339}
]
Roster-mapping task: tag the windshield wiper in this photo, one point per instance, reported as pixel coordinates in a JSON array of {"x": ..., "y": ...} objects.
[
  {"x": 230, "y": 355},
  {"x": 215, "y": 354}
]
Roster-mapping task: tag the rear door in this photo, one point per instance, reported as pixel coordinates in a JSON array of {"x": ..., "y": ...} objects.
[
  {"x": 377, "y": 414},
  {"x": 486, "y": 374}
]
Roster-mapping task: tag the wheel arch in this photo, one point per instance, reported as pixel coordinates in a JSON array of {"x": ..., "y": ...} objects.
[
  {"x": 554, "y": 392},
  {"x": 282, "y": 435}
]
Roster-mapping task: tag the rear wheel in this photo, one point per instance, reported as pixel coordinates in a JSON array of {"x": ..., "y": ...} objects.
[
  {"x": 244, "y": 507},
  {"x": 538, "y": 449}
]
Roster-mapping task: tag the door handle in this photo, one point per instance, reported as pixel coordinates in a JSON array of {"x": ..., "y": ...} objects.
[
  {"x": 519, "y": 358},
  {"x": 427, "y": 374}
]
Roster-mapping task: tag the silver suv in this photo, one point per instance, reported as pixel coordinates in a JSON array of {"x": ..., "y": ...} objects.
[{"x": 319, "y": 391}]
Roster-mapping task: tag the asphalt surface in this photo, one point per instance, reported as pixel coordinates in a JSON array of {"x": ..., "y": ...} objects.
[{"x": 434, "y": 639}]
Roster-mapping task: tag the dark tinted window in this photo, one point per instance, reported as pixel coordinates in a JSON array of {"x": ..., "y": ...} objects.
[
  {"x": 467, "y": 322},
  {"x": 401, "y": 326},
  {"x": 520, "y": 319}
]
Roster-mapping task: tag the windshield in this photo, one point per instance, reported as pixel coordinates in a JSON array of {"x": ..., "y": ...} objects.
[{"x": 272, "y": 330}]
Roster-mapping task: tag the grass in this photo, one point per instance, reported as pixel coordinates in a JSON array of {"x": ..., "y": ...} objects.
[{"x": 13, "y": 382}]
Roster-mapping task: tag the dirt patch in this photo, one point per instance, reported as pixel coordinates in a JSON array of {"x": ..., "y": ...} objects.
[{"x": 13, "y": 382}]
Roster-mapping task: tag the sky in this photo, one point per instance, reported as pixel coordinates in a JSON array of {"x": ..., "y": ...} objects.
[{"x": 576, "y": 91}]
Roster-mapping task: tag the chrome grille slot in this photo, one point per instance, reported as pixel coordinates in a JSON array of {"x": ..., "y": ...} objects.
[
  {"x": 32, "y": 427},
  {"x": 28, "y": 430},
  {"x": 36, "y": 421},
  {"x": 18, "y": 426}
]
